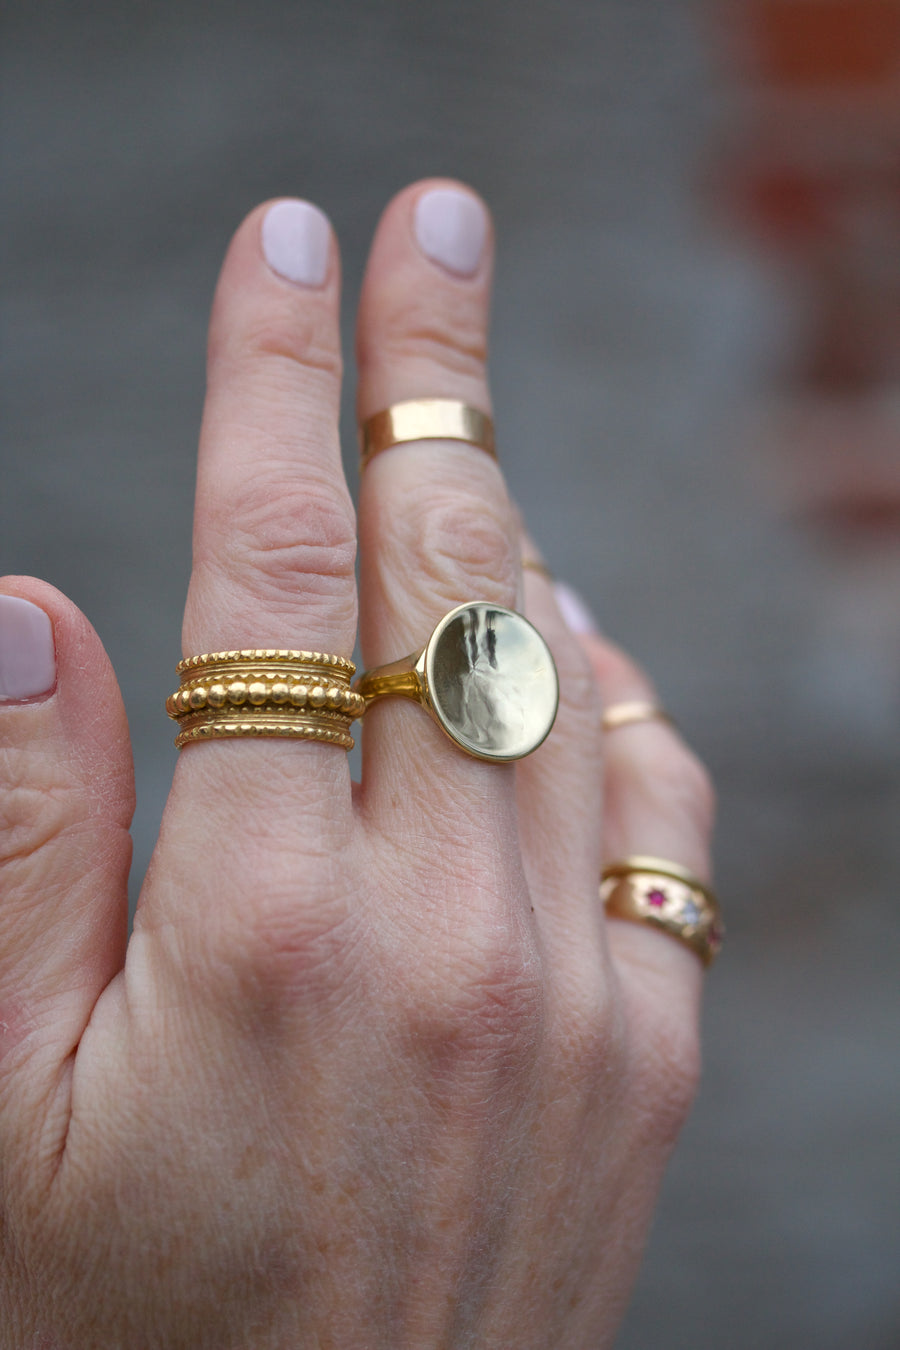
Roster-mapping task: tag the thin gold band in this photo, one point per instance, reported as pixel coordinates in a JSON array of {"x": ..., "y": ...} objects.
[
  {"x": 265, "y": 692},
  {"x": 426, "y": 419},
  {"x": 624, "y": 714},
  {"x": 666, "y": 896},
  {"x": 535, "y": 565}
]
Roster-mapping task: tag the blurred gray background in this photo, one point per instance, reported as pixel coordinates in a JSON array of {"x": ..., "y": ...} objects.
[{"x": 631, "y": 339}]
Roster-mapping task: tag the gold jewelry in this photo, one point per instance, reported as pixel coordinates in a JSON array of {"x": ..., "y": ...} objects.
[
  {"x": 658, "y": 892},
  {"x": 425, "y": 419},
  {"x": 623, "y": 714},
  {"x": 486, "y": 676},
  {"x": 535, "y": 565},
  {"x": 265, "y": 692}
]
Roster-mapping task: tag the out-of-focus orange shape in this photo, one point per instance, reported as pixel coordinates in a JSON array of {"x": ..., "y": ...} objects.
[
  {"x": 826, "y": 43},
  {"x": 787, "y": 203}
]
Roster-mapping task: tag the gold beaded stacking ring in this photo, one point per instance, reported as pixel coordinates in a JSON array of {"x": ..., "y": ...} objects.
[
  {"x": 265, "y": 692},
  {"x": 667, "y": 896},
  {"x": 485, "y": 676},
  {"x": 425, "y": 419}
]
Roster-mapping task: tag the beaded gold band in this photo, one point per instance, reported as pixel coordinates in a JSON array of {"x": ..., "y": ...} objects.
[
  {"x": 265, "y": 692},
  {"x": 667, "y": 896},
  {"x": 425, "y": 419}
]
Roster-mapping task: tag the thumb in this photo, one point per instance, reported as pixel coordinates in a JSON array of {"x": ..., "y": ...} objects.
[{"x": 66, "y": 800}]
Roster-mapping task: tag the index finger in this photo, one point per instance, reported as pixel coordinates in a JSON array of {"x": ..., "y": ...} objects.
[{"x": 274, "y": 531}]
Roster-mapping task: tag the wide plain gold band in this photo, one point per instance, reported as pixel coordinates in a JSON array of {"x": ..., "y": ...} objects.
[
  {"x": 624, "y": 714},
  {"x": 265, "y": 692},
  {"x": 426, "y": 419},
  {"x": 666, "y": 896}
]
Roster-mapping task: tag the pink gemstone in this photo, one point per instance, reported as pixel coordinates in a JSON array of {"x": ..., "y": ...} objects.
[{"x": 656, "y": 898}]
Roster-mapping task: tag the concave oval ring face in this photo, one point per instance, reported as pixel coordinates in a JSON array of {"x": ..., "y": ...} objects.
[{"x": 491, "y": 681}]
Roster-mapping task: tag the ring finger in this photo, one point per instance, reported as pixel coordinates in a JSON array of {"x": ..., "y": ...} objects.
[{"x": 658, "y": 803}]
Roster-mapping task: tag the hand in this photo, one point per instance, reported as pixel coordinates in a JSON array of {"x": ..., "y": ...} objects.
[{"x": 374, "y": 1069}]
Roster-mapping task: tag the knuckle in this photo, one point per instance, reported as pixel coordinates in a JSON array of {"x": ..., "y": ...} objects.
[
  {"x": 458, "y": 545},
  {"x": 289, "y": 533},
  {"x": 58, "y": 833},
  {"x": 33, "y": 810},
  {"x": 677, "y": 782},
  {"x": 283, "y": 949},
  {"x": 688, "y": 788},
  {"x": 409, "y": 333},
  {"x": 580, "y": 705},
  {"x": 589, "y": 1031},
  {"x": 457, "y": 530},
  {"x": 38, "y": 806},
  {"x": 483, "y": 1009},
  {"x": 667, "y": 1079},
  {"x": 699, "y": 791},
  {"x": 276, "y": 337},
  {"x": 457, "y": 352}
]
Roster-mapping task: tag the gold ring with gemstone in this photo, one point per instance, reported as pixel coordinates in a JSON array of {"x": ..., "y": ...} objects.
[
  {"x": 485, "y": 676},
  {"x": 667, "y": 896},
  {"x": 426, "y": 419},
  {"x": 624, "y": 714},
  {"x": 265, "y": 692}
]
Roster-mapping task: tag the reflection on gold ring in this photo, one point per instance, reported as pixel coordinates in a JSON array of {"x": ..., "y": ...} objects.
[{"x": 486, "y": 676}]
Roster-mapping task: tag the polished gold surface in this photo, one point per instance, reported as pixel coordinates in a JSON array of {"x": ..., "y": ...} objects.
[
  {"x": 486, "y": 676},
  {"x": 254, "y": 656},
  {"x": 663, "y": 894},
  {"x": 624, "y": 714},
  {"x": 265, "y": 692},
  {"x": 426, "y": 419},
  {"x": 289, "y": 727}
]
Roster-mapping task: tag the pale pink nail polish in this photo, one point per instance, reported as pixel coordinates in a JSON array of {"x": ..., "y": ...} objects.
[
  {"x": 27, "y": 656},
  {"x": 451, "y": 229},
  {"x": 296, "y": 237},
  {"x": 575, "y": 612}
]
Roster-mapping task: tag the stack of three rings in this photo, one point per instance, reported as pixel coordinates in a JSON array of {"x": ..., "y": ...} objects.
[{"x": 265, "y": 692}]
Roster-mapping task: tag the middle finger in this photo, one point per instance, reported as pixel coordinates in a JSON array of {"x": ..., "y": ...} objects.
[{"x": 436, "y": 525}]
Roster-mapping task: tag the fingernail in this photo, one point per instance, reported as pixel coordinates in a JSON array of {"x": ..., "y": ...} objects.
[
  {"x": 27, "y": 657},
  {"x": 578, "y": 617},
  {"x": 451, "y": 227},
  {"x": 296, "y": 238}
]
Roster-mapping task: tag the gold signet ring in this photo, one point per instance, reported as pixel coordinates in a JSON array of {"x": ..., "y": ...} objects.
[{"x": 486, "y": 676}]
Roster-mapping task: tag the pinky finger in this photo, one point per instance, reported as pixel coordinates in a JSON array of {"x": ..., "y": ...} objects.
[{"x": 658, "y": 801}]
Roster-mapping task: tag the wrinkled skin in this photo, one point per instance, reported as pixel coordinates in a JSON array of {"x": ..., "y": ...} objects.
[{"x": 374, "y": 1070}]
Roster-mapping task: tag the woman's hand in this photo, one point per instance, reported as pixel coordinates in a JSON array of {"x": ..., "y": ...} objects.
[{"x": 374, "y": 1069}]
